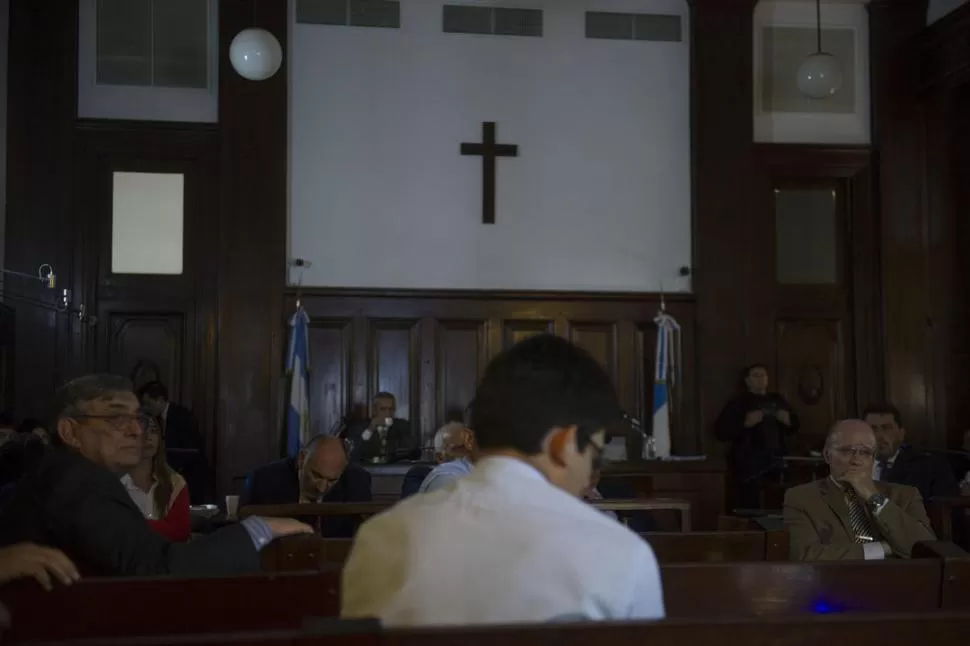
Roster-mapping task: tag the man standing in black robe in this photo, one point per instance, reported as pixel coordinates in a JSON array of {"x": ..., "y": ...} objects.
[{"x": 756, "y": 423}]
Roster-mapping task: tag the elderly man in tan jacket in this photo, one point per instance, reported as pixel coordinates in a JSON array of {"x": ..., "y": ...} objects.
[{"x": 849, "y": 516}]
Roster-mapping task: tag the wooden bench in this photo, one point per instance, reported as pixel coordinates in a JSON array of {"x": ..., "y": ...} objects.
[
  {"x": 366, "y": 509},
  {"x": 937, "y": 628},
  {"x": 312, "y": 552},
  {"x": 120, "y": 607},
  {"x": 950, "y": 518}
]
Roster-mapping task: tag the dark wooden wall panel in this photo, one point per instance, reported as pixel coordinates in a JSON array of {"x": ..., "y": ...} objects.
[
  {"x": 462, "y": 353},
  {"x": 811, "y": 375},
  {"x": 331, "y": 344},
  {"x": 394, "y": 367},
  {"x": 730, "y": 332},
  {"x": 156, "y": 339},
  {"x": 599, "y": 339},
  {"x": 515, "y": 331}
]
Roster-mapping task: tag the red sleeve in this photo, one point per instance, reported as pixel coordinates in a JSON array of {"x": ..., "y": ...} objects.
[{"x": 177, "y": 525}]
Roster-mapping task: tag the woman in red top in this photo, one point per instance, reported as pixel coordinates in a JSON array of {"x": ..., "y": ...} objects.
[{"x": 159, "y": 491}]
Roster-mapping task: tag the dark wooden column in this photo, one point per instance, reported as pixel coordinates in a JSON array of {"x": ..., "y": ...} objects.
[
  {"x": 252, "y": 248},
  {"x": 898, "y": 142},
  {"x": 723, "y": 132},
  {"x": 42, "y": 85}
]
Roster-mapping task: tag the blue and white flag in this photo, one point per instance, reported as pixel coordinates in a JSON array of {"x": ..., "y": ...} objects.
[
  {"x": 297, "y": 367},
  {"x": 665, "y": 380}
]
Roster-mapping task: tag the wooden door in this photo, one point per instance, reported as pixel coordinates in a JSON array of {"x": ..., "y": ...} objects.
[{"x": 155, "y": 320}]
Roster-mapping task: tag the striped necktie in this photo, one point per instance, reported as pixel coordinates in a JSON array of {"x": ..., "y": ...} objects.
[{"x": 861, "y": 524}]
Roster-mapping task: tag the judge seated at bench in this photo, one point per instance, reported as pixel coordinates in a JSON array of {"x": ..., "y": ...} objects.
[
  {"x": 899, "y": 463},
  {"x": 849, "y": 516},
  {"x": 384, "y": 437},
  {"x": 454, "y": 446},
  {"x": 74, "y": 499},
  {"x": 512, "y": 541},
  {"x": 757, "y": 423},
  {"x": 319, "y": 473}
]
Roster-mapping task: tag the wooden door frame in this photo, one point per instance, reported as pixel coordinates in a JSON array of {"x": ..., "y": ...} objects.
[{"x": 852, "y": 167}]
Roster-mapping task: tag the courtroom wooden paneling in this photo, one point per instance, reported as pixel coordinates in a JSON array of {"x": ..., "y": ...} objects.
[
  {"x": 826, "y": 348},
  {"x": 251, "y": 248},
  {"x": 41, "y": 86},
  {"x": 897, "y": 132},
  {"x": 461, "y": 355},
  {"x": 722, "y": 131},
  {"x": 158, "y": 339},
  {"x": 811, "y": 375},
  {"x": 430, "y": 348},
  {"x": 161, "y": 321}
]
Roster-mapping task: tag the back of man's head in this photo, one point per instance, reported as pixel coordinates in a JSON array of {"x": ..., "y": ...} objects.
[{"x": 538, "y": 384}]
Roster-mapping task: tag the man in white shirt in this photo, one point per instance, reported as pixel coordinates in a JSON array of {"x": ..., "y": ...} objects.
[
  {"x": 848, "y": 515},
  {"x": 512, "y": 541},
  {"x": 453, "y": 447}
]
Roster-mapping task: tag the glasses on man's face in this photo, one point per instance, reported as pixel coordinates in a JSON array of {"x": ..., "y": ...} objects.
[
  {"x": 597, "y": 463},
  {"x": 121, "y": 422},
  {"x": 850, "y": 452}
]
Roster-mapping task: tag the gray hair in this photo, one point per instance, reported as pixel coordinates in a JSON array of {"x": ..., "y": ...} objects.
[
  {"x": 71, "y": 396},
  {"x": 444, "y": 431}
]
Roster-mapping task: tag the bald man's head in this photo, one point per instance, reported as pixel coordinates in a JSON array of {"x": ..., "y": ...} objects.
[
  {"x": 850, "y": 446},
  {"x": 452, "y": 442},
  {"x": 322, "y": 463}
]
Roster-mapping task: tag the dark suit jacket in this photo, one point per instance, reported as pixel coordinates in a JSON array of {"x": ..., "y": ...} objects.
[
  {"x": 400, "y": 442},
  {"x": 931, "y": 474},
  {"x": 186, "y": 451},
  {"x": 278, "y": 483},
  {"x": 73, "y": 504},
  {"x": 819, "y": 529}
]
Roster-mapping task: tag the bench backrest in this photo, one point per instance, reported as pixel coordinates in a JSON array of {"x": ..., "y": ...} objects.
[
  {"x": 939, "y": 629},
  {"x": 297, "y": 553},
  {"x": 118, "y": 607}
]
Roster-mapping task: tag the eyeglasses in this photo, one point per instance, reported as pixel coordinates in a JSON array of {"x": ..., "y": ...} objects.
[
  {"x": 597, "y": 463},
  {"x": 853, "y": 451},
  {"x": 121, "y": 422}
]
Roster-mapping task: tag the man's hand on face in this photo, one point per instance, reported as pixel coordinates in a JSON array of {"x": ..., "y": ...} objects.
[{"x": 861, "y": 481}]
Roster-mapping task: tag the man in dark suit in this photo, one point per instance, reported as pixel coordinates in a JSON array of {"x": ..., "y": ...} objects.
[
  {"x": 74, "y": 500},
  {"x": 901, "y": 464},
  {"x": 383, "y": 438},
  {"x": 184, "y": 444},
  {"x": 319, "y": 473}
]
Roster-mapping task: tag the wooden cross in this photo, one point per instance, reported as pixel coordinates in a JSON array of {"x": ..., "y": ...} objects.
[{"x": 489, "y": 151}]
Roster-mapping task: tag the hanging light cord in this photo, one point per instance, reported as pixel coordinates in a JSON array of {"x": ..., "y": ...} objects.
[{"x": 818, "y": 26}]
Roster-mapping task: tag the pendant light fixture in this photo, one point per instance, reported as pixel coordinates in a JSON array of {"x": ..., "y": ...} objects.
[
  {"x": 819, "y": 75},
  {"x": 255, "y": 53}
]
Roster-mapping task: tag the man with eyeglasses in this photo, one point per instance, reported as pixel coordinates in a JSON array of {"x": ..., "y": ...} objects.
[
  {"x": 848, "y": 515},
  {"x": 74, "y": 500},
  {"x": 512, "y": 541},
  {"x": 319, "y": 473}
]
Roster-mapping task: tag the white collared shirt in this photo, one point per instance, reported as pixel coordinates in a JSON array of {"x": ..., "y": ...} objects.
[
  {"x": 144, "y": 500},
  {"x": 501, "y": 545}
]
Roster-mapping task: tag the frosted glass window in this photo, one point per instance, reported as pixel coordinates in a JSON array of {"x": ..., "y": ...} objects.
[
  {"x": 805, "y": 235},
  {"x": 147, "y": 223}
]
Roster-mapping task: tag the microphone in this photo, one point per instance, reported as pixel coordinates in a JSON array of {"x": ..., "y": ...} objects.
[{"x": 634, "y": 422}]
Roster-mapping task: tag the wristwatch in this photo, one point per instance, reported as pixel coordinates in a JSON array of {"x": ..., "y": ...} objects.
[{"x": 877, "y": 502}]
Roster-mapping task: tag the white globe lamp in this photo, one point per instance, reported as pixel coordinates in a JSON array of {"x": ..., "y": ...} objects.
[
  {"x": 255, "y": 54},
  {"x": 819, "y": 76}
]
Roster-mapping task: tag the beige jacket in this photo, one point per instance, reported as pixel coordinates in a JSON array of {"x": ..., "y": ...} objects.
[{"x": 817, "y": 519}]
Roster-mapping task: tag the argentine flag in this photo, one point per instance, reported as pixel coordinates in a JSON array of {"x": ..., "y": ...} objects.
[
  {"x": 297, "y": 366},
  {"x": 665, "y": 380}
]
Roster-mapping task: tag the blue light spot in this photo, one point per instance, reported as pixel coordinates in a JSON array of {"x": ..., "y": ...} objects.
[{"x": 822, "y": 607}]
